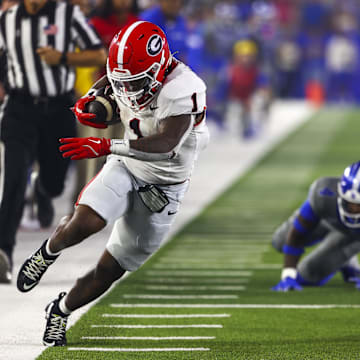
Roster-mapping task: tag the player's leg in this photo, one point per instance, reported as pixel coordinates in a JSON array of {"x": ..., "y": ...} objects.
[
  {"x": 86, "y": 289},
  {"x": 350, "y": 270},
  {"x": 135, "y": 237},
  {"x": 71, "y": 230},
  {"x": 103, "y": 200},
  {"x": 317, "y": 268}
]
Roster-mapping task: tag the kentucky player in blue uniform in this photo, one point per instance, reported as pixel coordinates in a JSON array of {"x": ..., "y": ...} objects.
[{"x": 330, "y": 215}]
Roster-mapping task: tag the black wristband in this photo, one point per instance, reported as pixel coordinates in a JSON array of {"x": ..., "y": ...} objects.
[{"x": 63, "y": 58}]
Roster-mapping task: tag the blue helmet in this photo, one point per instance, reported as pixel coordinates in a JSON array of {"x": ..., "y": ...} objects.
[{"x": 349, "y": 196}]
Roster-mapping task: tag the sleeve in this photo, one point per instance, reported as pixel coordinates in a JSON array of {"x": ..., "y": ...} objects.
[
  {"x": 191, "y": 104},
  {"x": 84, "y": 34},
  {"x": 193, "y": 100},
  {"x": 307, "y": 213}
]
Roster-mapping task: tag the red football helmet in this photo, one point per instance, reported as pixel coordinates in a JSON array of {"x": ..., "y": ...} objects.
[{"x": 139, "y": 56}]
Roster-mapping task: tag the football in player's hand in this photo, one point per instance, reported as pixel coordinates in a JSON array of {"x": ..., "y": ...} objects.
[{"x": 104, "y": 107}]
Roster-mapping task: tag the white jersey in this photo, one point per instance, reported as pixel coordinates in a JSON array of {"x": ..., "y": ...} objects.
[{"x": 183, "y": 92}]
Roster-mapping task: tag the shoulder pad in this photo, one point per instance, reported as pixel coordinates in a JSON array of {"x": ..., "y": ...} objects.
[
  {"x": 182, "y": 93},
  {"x": 322, "y": 191}
]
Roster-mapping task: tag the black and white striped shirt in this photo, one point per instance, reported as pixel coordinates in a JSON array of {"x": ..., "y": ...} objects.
[{"x": 59, "y": 25}]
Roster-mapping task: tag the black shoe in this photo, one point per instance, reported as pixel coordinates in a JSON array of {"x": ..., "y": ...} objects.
[
  {"x": 5, "y": 268},
  {"x": 34, "y": 268},
  {"x": 45, "y": 208},
  {"x": 55, "y": 330}
]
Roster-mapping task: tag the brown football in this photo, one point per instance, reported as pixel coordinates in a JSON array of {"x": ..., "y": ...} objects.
[{"x": 104, "y": 107}]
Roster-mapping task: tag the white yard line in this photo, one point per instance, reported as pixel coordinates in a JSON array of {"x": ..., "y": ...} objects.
[
  {"x": 198, "y": 273},
  {"x": 165, "y": 316},
  {"x": 180, "y": 297},
  {"x": 156, "y": 338},
  {"x": 122, "y": 326},
  {"x": 217, "y": 258},
  {"x": 238, "y": 306},
  {"x": 135, "y": 349},
  {"x": 177, "y": 280},
  {"x": 239, "y": 266},
  {"x": 199, "y": 288}
]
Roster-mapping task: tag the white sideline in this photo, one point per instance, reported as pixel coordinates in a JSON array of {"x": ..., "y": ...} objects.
[
  {"x": 136, "y": 350},
  {"x": 22, "y": 315},
  {"x": 156, "y": 338},
  {"x": 165, "y": 316},
  {"x": 238, "y": 306}
]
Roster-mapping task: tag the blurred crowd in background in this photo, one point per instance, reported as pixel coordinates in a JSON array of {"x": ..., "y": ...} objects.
[{"x": 248, "y": 51}]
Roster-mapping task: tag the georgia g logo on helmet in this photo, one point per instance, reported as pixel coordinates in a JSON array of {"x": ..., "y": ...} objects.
[{"x": 154, "y": 45}]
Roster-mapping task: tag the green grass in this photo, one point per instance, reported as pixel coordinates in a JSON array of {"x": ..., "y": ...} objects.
[{"x": 233, "y": 234}]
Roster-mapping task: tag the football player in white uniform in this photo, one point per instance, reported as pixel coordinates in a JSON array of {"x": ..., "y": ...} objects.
[{"x": 140, "y": 188}]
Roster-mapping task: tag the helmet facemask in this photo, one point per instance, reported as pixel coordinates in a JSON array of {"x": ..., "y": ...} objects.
[
  {"x": 349, "y": 202},
  {"x": 135, "y": 91}
]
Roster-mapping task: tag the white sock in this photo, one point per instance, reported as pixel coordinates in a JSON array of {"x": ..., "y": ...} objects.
[
  {"x": 48, "y": 251},
  {"x": 63, "y": 308}
]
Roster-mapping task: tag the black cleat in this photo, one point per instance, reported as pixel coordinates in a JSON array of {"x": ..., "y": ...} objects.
[
  {"x": 5, "y": 268},
  {"x": 55, "y": 330},
  {"x": 34, "y": 268}
]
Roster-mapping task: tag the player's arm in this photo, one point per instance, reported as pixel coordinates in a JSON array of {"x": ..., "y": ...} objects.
[
  {"x": 161, "y": 146},
  {"x": 164, "y": 145},
  {"x": 304, "y": 223}
]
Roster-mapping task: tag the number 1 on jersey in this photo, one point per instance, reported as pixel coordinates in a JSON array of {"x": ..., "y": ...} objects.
[
  {"x": 194, "y": 100},
  {"x": 135, "y": 127}
]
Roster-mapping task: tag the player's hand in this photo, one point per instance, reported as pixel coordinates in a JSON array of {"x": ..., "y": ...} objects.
[
  {"x": 84, "y": 148},
  {"x": 287, "y": 284},
  {"x": 83, "y": 116},
  {"x": 49, "y": 55}
]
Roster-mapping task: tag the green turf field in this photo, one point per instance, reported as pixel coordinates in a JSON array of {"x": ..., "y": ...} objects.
[{"x": 193, "y": 299}]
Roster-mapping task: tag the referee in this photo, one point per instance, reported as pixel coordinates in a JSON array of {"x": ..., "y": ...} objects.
[{"x": 38, "y": 39}]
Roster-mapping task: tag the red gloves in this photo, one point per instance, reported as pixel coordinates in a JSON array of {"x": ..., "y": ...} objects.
[
  {"x": 83, "y": 116},
  {"x": 84, "y": 148}
]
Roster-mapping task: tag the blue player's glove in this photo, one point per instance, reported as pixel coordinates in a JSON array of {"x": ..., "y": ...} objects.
[
  {"x": 287, "y": 284},
  {"x": 288, "y": 281}
]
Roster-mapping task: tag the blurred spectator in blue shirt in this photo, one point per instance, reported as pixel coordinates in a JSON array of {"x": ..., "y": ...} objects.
[
  {"x": 168, "y": 16},
  {"x": 341, "y": 55},
  {"x": 221, "y": 31},
  {"x": 312, "y": 40}
]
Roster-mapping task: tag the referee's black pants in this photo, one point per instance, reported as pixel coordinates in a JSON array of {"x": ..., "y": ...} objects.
[{"x": 30, "y": 129}]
